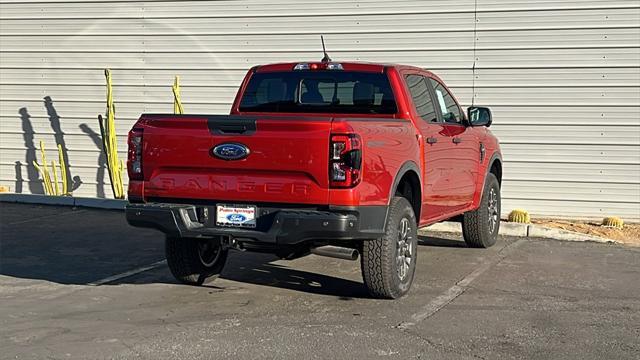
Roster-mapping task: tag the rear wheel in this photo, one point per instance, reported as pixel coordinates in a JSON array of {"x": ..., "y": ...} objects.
[
  {"x": 389, "y": 263},
  {"x": 195, "y": 261},
  {"x": 480, "y": 227}
]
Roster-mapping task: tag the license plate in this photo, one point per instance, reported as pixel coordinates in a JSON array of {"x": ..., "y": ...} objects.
[{"x": 236, "y": 215}]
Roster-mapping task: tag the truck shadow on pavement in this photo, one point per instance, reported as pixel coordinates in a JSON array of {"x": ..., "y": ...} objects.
[
  {"x": 260, "y": 270},
  {"x": 72, "y": 246},
  {"x": 440, "y": 242}
]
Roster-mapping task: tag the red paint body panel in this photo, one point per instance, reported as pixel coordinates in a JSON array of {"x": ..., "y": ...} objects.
[
  {"x": 288, "y": 161},
  {"x": 387, "y": 146},
  {"x": 289, "y": 156}
]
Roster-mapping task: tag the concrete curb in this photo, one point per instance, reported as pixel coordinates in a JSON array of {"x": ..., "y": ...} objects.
[
  {"x": 524, "y": 230},
  {"x": 111, "y": 204}
]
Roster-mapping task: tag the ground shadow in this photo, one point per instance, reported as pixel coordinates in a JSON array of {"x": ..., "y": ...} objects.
[
  {"x": 66, "y": 245},
  {"x": 440, "y": 242},
  {"x": 102, "y": 159},
  {"x": 35, "y": 185},
  {"x": 256, "y": 269},
  {"x": 80, "y": 246}
]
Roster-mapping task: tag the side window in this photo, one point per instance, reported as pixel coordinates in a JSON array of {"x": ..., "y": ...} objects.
[
  {"x": 421, "y": 98},
  {"x": 450, "y": 110}
]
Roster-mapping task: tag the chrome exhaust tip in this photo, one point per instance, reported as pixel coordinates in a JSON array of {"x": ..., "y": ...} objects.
[{"x": 336, "y": 252}]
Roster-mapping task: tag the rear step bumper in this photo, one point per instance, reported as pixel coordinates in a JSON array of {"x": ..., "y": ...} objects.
[{"x": 282, "y": 227}]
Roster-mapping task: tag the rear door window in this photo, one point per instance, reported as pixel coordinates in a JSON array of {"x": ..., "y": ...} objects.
[{"x": 328, "y": 91}]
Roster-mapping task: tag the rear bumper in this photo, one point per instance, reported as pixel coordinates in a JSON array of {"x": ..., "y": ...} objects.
[{"x": 278, "y": 226}]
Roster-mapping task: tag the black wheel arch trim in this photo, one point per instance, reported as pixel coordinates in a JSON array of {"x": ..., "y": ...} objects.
[
  {"x": 495, "y": 157},
  {"x": 409, "y": 165}
]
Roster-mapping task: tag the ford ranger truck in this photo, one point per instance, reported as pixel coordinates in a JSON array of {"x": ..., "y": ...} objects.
[{"x": 344, "y": 160}]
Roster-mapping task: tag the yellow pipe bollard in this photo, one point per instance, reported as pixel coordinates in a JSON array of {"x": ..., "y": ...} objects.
[
  {"x": 177, "y": 103},
  {"x": 44, "y": 181},
  {"x": 109, "y": 140},
  {"x": 63, "y": 171},
  {"x": 52, "y": 188},
  {"x": 45, "y": 172},
  {"x": 55, "y": 177}
]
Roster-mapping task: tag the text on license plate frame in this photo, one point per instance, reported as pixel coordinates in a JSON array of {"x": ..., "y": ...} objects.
[{"x": 243, "y": 215}]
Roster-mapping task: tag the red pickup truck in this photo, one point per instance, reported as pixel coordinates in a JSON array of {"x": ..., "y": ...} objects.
[{"x": 334, "y": 159}]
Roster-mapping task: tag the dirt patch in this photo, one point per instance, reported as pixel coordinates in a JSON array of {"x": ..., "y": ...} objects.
[{"x": 629, "y": 235}]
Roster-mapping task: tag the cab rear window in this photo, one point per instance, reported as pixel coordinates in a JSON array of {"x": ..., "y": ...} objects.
[{"x": 327, "y": 91}]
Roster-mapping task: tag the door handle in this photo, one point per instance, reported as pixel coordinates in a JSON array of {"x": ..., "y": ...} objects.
[
  {"x": 432, "y": 140},
  {"x": 457, "y": 140}
]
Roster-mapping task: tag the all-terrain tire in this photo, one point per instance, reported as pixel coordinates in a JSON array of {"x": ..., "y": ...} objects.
[
  {"x": 480, "y": 227},
  {"x": 192, "y": 265},
  {"x": 385, "y": 270}
]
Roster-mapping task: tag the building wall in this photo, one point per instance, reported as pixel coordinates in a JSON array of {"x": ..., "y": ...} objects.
[{"x": 562, "y": 78}]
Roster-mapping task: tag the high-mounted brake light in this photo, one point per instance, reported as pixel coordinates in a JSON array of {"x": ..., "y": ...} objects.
[
  {"x": 134, "y": 158},
  {"x": 345, "y": 161},
  {"x": 324, "y": 64},
  {"x": 318, "y": 66}
]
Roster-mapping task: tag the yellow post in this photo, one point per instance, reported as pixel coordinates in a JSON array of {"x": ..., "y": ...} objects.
[
  {"x": 177, "y": 103},
  {"x": 63, "y": 170},
  {"x": 110, "y": 142},
  {"x": 55, "y": 177},
  {"x": 44, "y": 183},
  {"x": 46, "y": 177}
]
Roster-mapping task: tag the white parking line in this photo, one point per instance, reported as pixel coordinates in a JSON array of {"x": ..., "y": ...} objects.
[
  {"x": 128, "y": 273},
  {"x": 74, "y": 212},
  {"x": 456, "y": 290}
]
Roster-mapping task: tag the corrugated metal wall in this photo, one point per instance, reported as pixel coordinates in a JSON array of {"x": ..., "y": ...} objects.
[{"x": 563, "y": 78}]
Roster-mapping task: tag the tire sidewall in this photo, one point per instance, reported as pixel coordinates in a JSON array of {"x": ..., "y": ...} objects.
[
  {"x": 492, "y": 183},
  {"x": 184, "y": 261},
  {"x": 216, "y": 267},
  {"x": 402, "y": 210}
]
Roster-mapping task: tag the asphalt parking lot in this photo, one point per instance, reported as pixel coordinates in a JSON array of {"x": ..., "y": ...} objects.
[{"x": 65, "y": 293}]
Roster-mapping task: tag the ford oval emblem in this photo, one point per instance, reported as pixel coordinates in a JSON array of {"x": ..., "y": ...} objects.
[
  {"x": 230, "y": 151},
  {"x": 236, "y": 218}
]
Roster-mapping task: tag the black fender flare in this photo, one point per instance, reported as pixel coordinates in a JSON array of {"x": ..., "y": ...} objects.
[
  {"x": 495, "y": 157},
  {"x": 407, "y": 166}
]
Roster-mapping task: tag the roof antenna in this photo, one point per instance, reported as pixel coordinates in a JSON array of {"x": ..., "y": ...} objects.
[{"x": 326, "y": 57}]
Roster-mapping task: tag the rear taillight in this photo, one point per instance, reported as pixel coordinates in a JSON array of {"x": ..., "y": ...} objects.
[
  {"x": 134, "y": 159},
  {"x": 345, "y": 161}
]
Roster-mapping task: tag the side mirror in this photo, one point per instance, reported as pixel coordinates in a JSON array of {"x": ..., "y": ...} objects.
[{"x": 479, "y": 116}]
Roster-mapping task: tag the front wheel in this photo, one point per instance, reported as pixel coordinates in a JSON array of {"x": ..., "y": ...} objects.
[
  {"x": 480, "y": 227},
  {"x": 195, "y": 261},
  {"x": 389, "y": 263}
]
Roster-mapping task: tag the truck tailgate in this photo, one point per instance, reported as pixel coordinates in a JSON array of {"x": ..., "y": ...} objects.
[{"x": 287, "y": 161}]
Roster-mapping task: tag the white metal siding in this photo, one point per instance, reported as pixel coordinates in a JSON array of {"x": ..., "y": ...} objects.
[{"x": 562, "y": 78}]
